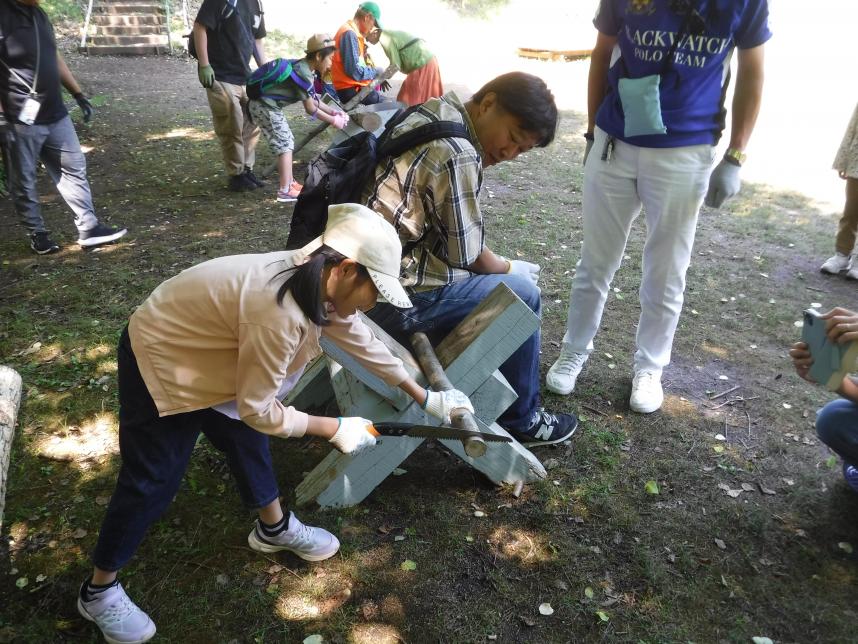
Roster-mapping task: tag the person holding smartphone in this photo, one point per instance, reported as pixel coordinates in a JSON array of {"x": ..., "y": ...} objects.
[{"x": 837, "y": 422}]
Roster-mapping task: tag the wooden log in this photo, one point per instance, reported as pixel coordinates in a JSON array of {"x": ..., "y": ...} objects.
[
  {"x": 460, "y": 417},
  {"x": 10, "y": 400}
]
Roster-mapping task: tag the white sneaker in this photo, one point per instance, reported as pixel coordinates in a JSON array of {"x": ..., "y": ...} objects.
[
  {"x": 121, "y": 621},
  {"x": 647, "y": 395},
  {"x": 852, "y": 273},
  {"x": 309, "y": 543},
  {"x": 837, "y": 263},
  {"x": 564, "y": 372}
]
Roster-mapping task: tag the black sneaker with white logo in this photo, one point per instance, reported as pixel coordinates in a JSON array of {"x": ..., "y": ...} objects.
[
  {"x": 99, "y": 235},
  {"x": 547, "y": 429},
  {"x": 42, "y": 244},
  {"x": 253, "y": 178}
]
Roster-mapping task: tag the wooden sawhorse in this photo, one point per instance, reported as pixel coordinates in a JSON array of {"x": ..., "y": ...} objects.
[{"x": 470, "y": 356}]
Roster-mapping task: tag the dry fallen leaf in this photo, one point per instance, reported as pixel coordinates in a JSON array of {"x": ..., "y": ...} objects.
[
  {"x": 766, "y": 490},
  {"x": 748, "y": 487},
  {"x": 545, "y": 609},
  {"x": 720, "y": 544},
  {"x": 845, "y": 547}
]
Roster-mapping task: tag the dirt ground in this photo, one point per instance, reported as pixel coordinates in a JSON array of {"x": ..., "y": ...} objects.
[{"x": 752, "y": 532}]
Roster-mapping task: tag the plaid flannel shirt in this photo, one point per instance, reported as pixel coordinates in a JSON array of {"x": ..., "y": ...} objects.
[{"x": 431, "y": 196}]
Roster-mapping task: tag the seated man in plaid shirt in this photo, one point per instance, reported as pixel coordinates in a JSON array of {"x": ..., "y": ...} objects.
[{"x": 431, "y": 194}]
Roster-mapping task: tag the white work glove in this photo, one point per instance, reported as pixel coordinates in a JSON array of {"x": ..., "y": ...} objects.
[
  {"x": 353, "y": 435},
  {"x": 527, "y": 269},
  {"x": 724, "y": 183},
  {"x": 441, "y": 403},
  {"x": 340, "y": 121}
]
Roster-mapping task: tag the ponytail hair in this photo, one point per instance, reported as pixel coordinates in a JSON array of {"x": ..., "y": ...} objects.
[{"x": 305, "y": 283}]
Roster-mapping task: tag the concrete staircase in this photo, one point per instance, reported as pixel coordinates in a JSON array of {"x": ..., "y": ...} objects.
[{"x": 127, "y": 28}]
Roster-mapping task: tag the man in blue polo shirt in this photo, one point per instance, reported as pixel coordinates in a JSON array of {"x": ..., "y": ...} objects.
[{"x": 656, "y": 90}]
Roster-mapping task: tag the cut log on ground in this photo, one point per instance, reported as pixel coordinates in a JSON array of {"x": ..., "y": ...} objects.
[{"x": 10, "y": 400}]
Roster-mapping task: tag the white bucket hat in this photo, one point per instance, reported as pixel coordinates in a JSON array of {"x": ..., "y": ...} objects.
[{"x": 366, "y": 237}]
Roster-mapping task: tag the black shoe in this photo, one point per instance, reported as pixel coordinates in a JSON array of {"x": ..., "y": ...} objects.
[
  {"x": 547, "y": 429},
  {"x": 42, "y": 244},
  {"x": 240, "y": 183},
  {"x": 99, "y": 235},
  {"x": 256, "y": 180}
]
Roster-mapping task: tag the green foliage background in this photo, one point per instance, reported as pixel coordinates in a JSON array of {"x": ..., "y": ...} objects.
[{"x": 64, "y": 10}]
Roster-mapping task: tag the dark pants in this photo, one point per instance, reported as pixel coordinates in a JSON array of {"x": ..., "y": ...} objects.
[
  {"x": 437, "y": 312},
  {"x": 837, "y": 427},
  {"x": 370, "y": 99},
  {"x": 155, "y": 454}
]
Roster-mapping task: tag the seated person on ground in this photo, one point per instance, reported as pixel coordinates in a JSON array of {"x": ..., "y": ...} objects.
[
  {"x": 837, "y": 422},
  {"x": 431, "y": 194}
]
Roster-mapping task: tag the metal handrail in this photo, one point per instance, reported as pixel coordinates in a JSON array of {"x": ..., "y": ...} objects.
[
  {"x": 86, "y": 25},
  {"x": 169, "y": 26}
]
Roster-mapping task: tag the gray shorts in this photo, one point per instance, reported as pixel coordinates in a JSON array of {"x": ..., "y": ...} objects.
[{"x": 274, "y": 127}]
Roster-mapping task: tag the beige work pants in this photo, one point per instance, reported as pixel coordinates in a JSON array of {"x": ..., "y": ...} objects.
[{"x": 237, "y": 135}]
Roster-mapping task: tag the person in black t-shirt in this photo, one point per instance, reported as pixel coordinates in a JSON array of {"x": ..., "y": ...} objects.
[
  {"x": 35, "y": 126},
  {"x": 226, "y": 34}
]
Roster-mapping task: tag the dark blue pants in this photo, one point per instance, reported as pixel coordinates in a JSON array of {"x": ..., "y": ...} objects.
[
  {"x": 837, "y": 427},
  {"x": 437, "y": 312},
  {"x": 155, "y": 454},
  {"x": 370, "y": 99}
]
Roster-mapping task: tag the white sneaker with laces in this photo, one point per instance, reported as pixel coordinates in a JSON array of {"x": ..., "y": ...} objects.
[
  {"x": 121, "y": 621},
  {"x": 309, "y": 543},
  {"x": 563, "y": 374},
  {"x": 837, "y": 263},
  {"x": 647, "y": 395}
]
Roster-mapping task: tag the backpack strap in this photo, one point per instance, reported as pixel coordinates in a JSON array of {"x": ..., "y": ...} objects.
[{"x": 390, "y": 146}]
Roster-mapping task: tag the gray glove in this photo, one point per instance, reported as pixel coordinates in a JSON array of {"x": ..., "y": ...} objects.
[
  {"x": 724, "y": 183},
  {"x": 587, "y": 151}
]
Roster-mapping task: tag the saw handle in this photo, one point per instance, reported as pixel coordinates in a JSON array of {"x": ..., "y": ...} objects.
[{"x": 459, "y": 417}]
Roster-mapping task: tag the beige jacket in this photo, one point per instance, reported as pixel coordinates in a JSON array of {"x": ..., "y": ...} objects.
[{"x": 214, "y": 333}]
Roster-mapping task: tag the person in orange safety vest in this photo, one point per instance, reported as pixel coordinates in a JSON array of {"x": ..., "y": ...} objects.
[{"x": 352, "y": 69}]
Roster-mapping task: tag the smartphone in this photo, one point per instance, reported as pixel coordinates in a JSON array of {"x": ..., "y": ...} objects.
[{"x": 831, "y": 361}]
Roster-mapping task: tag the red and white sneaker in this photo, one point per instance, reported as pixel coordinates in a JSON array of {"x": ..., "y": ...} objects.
[{"x": 285, "y": 196}]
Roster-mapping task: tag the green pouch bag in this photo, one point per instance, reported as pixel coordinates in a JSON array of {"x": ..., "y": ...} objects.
[{"x": 641, "y": 102}]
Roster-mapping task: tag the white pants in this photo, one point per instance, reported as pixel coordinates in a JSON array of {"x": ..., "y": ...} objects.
[{"x": 670, "y": 184}]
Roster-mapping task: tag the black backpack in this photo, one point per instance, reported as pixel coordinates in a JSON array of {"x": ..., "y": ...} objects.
[{"x": 340, "y": 173}]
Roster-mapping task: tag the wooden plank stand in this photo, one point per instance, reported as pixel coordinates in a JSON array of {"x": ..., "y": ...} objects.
[{"x": 469, "y": 356}]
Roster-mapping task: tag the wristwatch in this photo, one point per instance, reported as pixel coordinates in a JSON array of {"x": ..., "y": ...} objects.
[{"x": 735, "y": 156}]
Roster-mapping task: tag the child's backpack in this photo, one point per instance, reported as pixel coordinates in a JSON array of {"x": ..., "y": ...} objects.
[
  {"x": 272, "y": 73},
  {"x": 340, "y": 173}
]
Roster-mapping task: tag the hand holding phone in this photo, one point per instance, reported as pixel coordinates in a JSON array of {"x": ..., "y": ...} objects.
[{"x": 831, "y": 360}]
